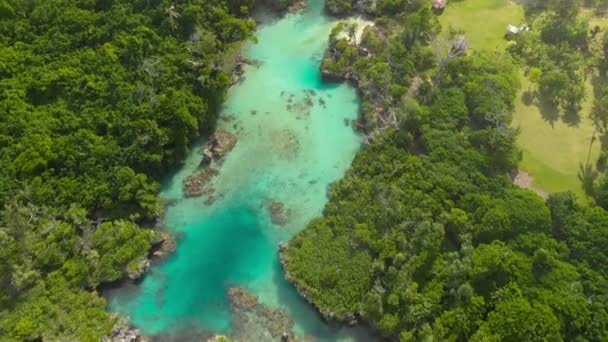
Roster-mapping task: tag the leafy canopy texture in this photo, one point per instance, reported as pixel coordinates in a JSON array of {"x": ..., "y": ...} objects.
[
  {"x": 427, "y": 239},
  {"x": 98, "y": 100}
]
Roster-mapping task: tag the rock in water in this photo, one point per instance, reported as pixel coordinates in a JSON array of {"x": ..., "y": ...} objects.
[
  {"x": 164, "y": 245},
  {"x": 142, "y": 267},
  {"x": 254, "y": 321},
  {"x": 220, "y": 143},
  {"x": 198, "y": 183},
  {"x": 277, "y": 212},
  {"x": 241, "y": 299}
]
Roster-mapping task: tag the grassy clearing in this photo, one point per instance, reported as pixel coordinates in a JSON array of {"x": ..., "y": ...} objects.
[
  {"x": 552, "y": 149},
  {"x": 483, "y": 21}
]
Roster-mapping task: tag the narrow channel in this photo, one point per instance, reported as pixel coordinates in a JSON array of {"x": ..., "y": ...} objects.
[{"x": 294, "y": 139}]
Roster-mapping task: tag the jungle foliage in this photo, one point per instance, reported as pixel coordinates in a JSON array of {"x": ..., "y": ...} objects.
[
  {"x": 98, "y": 100},
  {"x": 426, "y": 237}
]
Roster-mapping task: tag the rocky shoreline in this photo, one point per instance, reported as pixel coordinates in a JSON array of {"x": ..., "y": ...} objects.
[
  {"x": 349, "y": 43},
  {"x": 199, "y": 182},
  {"x": 368, "y": 92}
]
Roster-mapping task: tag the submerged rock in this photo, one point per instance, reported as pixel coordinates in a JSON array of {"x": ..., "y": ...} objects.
[
  {"x": 164, "y": 245},
  {"x": 220, "y": 143},
  {"x": 285, "y": 143},
  {"x": 322, "y": 102},
  {"x": 254, "y": 321},
  {"x": 277, "y": 212},
  {"x": 241, "y": 299},
  {"x": 197, "y": 184}
]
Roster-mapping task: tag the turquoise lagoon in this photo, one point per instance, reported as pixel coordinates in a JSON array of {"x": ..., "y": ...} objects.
[{"x": 294, "y": 140}]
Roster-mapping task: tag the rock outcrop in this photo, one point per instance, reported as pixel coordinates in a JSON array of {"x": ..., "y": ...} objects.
[
  {"x": 344, "y": 51},
  {"x": 220, "y": 143},
  {"x": 164, "y": 245},
  {"x": 216, "y": 148},
  {"x": 197, "y": 184},
  {"x": 239, "y": 68},
  {"x": 139, "y": 270},
  {"x": 278, "y": 214},
  {"x": 123, "y": 332},
  {"x": 254, "y": 321}
]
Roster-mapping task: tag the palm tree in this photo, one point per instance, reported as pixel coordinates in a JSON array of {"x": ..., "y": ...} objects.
[
  {"x": 173, "y": 15},
  {"x": 599, "y": 113}
]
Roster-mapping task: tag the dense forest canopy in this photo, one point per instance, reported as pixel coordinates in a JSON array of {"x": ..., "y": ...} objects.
[
  {"x": 426, "y": 237},
  {"x": 98, "y": 100}
]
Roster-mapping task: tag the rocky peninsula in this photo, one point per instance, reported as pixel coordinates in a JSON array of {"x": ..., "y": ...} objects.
[{"x": 213, "y": 152}]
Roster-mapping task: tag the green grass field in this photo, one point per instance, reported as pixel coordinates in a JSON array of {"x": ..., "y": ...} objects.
[
  {"x": 483, "y": 21},
  {"x": 552, "y": 153}
]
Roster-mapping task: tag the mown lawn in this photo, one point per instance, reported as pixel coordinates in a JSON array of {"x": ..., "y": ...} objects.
[
  {"x": 483, "y": 21},
  {"x": 552, "y": 149}
]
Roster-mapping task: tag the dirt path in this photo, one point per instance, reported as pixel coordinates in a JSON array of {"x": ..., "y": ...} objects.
[{"x": 524, "y": 180}]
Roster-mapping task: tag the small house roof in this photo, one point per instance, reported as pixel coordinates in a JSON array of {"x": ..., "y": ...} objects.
[
  {"x": 512, "y": 29},
  {"x": 439, "y": 3}
]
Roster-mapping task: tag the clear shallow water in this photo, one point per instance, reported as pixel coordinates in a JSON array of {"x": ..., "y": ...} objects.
[{"x": 293, "y": 142}]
